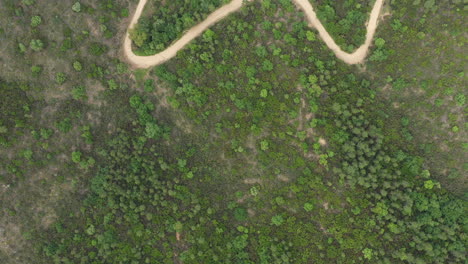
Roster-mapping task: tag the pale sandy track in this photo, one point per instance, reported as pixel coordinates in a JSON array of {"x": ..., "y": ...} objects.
[
  {"x": 171, "y": 51},
  {"x": 357, "y": 56}
]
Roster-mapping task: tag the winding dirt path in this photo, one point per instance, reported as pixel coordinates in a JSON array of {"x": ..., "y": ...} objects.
[
  {"x": 356, "y": 57},
  {"x": 171, "y": 51}
]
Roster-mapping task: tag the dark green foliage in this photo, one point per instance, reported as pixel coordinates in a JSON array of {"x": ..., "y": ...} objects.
[
  {"x": 79, "y": 92},
  {"x": 67, "y": 44},
  {"x": 240, "y": 214},
  {"x": 401, "y": 203},
  {"x": 345, "y": 20},
  {"x": 15, "y": 108},
  {"x": 149, "y": 85},
  {"x": 129, "y": 221},
  {"x": 97, "y": 49},
  {"x": 64, "y": 125},
  {"x": 270, "y": 150},
  {"x": 170, "y": 19},
  {"x": 143, "y": 109},
  {"x": 85, "y": 163},
  {"x": 36, "y": 70}
]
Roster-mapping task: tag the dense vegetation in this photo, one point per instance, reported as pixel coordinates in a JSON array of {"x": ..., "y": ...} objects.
[
  {"x": 14, "y": 112},
  {"x": 406, "y": 209},
  {"x": 254, "y": 145},
  {"x": 345, "y": 20},
  {"x": 427, "y": 91},
  {"x": 165, "y": 21}
]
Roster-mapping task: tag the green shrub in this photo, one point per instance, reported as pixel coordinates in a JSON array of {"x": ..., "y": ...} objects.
[
  {"x": 367, "y": 253},
  {"x": 264, "y": 145},
  {"x": 27, "y": 154},
  {"x": 60, "y": 78},
  {"x": 267, "y": 65},
  {"x": 112, "y": 84},
  {"x": 240, "y": 214},
  {"x": 67, "y": 44},
  {"x": 36, "y": 70},
  {"x": 22, "y": 48},
  {"x": 36, "y": 45},
  {"x": 138, "y": 36},
  {"x": 149, "y": 85},
  {"x": 28, "y": 2},
  {"x": 308, "y": 207},
  {"x": 277, "y": 220},
  {"x": 124, "y": 12},
  {"x": 460, "y": 99},
  {"x": 379, "y": 42},
  {"x": 79, "y": 92},
  {"x": 36, "y": 21},
  {"x": 77, "y": 66},
  {"x": 76, "y": 156},
  {"x": 64, "y": 126},
  {"x": 97, "y": 49},
  {"x": 76, "y": 7}
]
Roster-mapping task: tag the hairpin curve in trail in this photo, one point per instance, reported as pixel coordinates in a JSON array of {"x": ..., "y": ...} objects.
[{"x": 356, "y": 57}]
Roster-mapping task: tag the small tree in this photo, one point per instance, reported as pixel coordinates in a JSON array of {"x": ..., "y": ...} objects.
[
  {"x": 76, "y": 7},
  {"x": 138, "y": 36},
  {"x": 64, "y": 125},
  {"x": 36, "y": 70},
  {"x": 367, "y": 253},
  {"x": 310, "y": 36},
  {"x": 429, "y": 184},
  {"x": 152, "y": 130},
  {"x": 240, "y": 214},
  {"x": 460, "y": 99},
  {"x": 112, "y": 84},
  {"x": 76, "y": 156},
  {"x": 254, "y": 191},
  {"x": 36, "y": 21},
  {"x": 379, "y": 42},
  {"x": 267, "y": 65},
  {"x": 178, "y": 226},
  {"x": 84, "y": 164},
  {"x": 264, "y": 145},
  {"x": 149, "y": 85},
  {"x": 277, "y": 220},
  {"x": 22, "y": 48},
  {"x": 77, "y": 66},
  {"x": 79, "y": 92},
  {"x": 308, "y": 207},
  {"x": 36, "y": 45},
  {"x": 60, "y": 78}
]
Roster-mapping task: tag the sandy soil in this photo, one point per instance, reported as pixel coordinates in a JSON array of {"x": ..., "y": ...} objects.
[{"x": 356, "y": 57}]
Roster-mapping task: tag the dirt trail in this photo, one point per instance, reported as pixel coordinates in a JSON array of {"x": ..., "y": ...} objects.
[
  {"x": 171, "y": 51},
  {"x": 357, "y": 56},
  {"x": 351, "y": 58}
]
